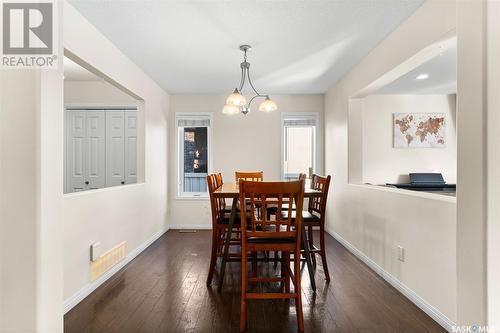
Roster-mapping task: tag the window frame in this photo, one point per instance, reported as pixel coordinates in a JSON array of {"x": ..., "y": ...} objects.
[
  {"x": 300, "y": 115},
  {"x": 179, "y": 141}
]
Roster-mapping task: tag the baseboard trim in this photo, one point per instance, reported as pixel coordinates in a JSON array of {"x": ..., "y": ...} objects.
[
  {"x": 191, "y": 226},
  {"x": 89, "y": 288},
  {"x": 430, "y": 310}
]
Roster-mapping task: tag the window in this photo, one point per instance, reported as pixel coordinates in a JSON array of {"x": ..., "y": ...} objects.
[
  {"x": 194, "y": 162},
  {"x": 100, "y": 148},
  {"x": 298, "y": 144}
]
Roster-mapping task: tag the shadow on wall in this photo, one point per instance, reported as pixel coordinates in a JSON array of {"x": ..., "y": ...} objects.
[
  {"x": 374, "y": 238},
  {"x": 452, "y": 102}
]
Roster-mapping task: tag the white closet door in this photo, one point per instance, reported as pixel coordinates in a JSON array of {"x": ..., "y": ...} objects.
[
  {"x": 115, "y": 144},
  {"x": 75, "y": 150},
  {"x": 130, "y": 147},
  {"x": 95, "y": 145}
]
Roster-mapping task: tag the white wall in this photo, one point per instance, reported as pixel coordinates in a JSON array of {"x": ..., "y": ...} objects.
[
  {"x": 471, "y": 163},
  {"x": 95, "y": 92},
  {"x": 30, "y": 200},
  {"x": 18, "y": 285},
  {"x": 493, "y": 165},
  {"x": 132, "y": 213},
  {"x": 246, "y": 143},
  {"x": 384, "y": 164},
  {"x": 375, "y": 221}
]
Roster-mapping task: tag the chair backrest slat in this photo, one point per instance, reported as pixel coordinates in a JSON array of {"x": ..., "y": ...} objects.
[
  {"x": 318, "y": 204},
  {"x": 218, "y": 179},
  {"x": 257, "y": 176},
  {"x": 217, "y": 204},
  {"x": 264, "y": 195}
]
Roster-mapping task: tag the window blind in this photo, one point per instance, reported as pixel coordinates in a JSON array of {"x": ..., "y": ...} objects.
[
  {"x": 193, "y": 122},
  {"x": 296, "y": 122}
]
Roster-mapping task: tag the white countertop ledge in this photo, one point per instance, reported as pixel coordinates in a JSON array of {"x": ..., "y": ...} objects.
[{"x": 419, "y": 194}]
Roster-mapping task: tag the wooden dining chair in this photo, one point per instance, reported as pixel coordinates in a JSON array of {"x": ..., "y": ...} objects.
[
  {"x": 257, "y": 176},
  {"x": 220, "y": 220},
  {"x": 285, "y": 206},
  {"x": 218, "y": 180},
  {"x": 314, "y": 216},
  {"x": 218, "y": 183},
  {"x": 278, "y": 234}
]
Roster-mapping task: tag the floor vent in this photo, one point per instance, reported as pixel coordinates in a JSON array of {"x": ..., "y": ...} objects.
[
  {"x": 187, "y": 231},
  {"x": 104, "y": 262}
]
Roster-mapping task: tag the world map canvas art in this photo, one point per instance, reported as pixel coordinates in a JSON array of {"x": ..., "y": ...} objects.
[{"x": 419, "y": 130}]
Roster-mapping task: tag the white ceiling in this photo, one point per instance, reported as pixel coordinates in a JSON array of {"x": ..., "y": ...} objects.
[
  {"x": 442, "y": 71},
  {"x": 75, "y": 72},
  {"x": 191, "y": 47}
]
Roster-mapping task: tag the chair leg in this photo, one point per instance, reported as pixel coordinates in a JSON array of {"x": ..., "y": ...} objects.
[
  {"x": 254, "y": 263},
  {"x": 220, "y": 241},
  {"x": 285, "y": 269},
  {"x": 243, "y": 309},
  {"x": 323, "y": 252},
  {"x": 311, "y": 243},
  {"x": 282, "y": 271},
  {"x": 213, "y": 256},
  {"x": 298, "y": 300}
]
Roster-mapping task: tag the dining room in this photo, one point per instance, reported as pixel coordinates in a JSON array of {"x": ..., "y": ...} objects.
[
  {"x": 287, "y": 269},
  {"x": 250, "y": 166}
]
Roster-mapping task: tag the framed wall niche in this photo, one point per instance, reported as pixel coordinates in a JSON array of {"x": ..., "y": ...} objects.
[
  {"x": 103, "y": 130},
  {"x": 423, "y": 85}
]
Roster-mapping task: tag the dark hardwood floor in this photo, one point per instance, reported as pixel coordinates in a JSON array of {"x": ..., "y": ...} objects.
[{"x": 164, "y": 290}]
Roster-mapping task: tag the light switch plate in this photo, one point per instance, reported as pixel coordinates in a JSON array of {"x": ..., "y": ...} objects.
[
  {"x": 95, "y": 251},
  {"x": 401, "y": 253}
]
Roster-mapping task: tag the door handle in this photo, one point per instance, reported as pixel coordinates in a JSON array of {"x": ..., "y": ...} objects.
[{"x": 87, "y": 182}]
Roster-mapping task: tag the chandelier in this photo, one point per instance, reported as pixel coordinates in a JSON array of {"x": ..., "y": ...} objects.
[{"x": 236, "y": 102}]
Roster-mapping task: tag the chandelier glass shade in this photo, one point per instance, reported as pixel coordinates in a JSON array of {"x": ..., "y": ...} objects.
[
  {"x": 268, "y": 105},
  {"x": 236, "y": 99},
  {"x": 230, "y": 109},
  {"x": 236, "y": 102}
]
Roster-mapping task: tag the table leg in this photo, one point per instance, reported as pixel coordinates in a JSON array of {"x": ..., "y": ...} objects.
[
  {"x": 226, "y": 243},
  {"x": 307, "y": 254}
]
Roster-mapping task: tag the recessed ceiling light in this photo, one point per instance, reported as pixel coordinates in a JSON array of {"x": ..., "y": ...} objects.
[{"x": 422, "y": 77}]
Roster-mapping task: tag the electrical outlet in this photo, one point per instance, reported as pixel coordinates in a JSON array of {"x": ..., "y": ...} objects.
[{"x": 401, "y": 253}]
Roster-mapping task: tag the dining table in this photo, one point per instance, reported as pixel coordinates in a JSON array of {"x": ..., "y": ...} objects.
[{"x": 231, "y": 191}]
